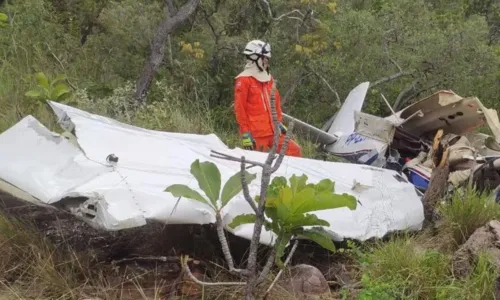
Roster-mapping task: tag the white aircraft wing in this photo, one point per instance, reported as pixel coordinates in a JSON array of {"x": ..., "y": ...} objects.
[{"x": 112, "y": 196}]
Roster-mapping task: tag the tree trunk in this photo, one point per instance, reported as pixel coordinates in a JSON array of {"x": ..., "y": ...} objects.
[{"x": 158, "y": 47}]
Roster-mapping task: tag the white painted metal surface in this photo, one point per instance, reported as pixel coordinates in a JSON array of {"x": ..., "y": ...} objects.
[{"x": 128, "y": 193}]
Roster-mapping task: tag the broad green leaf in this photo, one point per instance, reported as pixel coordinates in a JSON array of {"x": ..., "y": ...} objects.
[
  {"x": 233, "y": 186},
  {"x": 282, "y": 212},
  {"x": 285, "y": 197},
  {"x": 327, "y": 200},
  {"x": 272, "y": 226},
  {"x": 271, "y": 202},
  {"x": 242, "y": 219},
  {"x": 319, "y": 236},
  {"x": 271, "y": 213},
  {"x": 276, "y": 185},
  {"x": 279, "y": 181},
  {"x": 302, "y": 198},
  {"x": 325, "y": 185},
  {"x": 180, "y": 190},
  {"x": 33, "y": 94},
  {"x": 42, "y": 80},
  {"x": 297, "y": 183},
  {"x": 208, "y": 176},
  {"x": 297, "y": 221},
  {"x": 58, "y": 78},
  {"x": 58, "y": 91}
]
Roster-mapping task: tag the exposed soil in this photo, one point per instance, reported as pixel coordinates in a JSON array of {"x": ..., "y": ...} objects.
[{"x": 139, "y": 250}]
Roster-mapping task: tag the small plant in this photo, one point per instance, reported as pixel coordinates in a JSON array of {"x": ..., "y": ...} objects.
[
  {"x": 287, "y": 207},
  {"x": 49, "y": 89}
]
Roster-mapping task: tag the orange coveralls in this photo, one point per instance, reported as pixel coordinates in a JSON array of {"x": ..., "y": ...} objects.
[{"x": 252, "y": 108}]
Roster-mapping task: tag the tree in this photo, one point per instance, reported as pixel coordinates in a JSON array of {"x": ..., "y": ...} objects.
[{"x": 170, "y": 23}]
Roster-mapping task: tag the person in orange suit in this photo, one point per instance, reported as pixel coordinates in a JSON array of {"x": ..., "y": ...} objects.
[{"x": 252, "y": 106}]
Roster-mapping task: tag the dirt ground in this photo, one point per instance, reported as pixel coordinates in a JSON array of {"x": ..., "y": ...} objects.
[{"x": 137, "y": 248}]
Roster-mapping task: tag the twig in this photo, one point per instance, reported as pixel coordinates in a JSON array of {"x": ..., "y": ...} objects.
[
  {"x": 225, "y": 247},
  {"x": 168, "y": 259},
  {"x": 61, "y": 64},
  {"x": 284, "y": 147},
  {"x": 269, "y": 263},
  {"x": 390, "y": 78},
  {"x": 386, "y": 50},
  {"x": 244, "y": 186},
  {"x": 339, "y": 103},
  {"x": 233, "y": 158},
  {"x": 289, "y": 257},
  {"x": 186, "y": 269},
  {"x": 277, "y": 132}
]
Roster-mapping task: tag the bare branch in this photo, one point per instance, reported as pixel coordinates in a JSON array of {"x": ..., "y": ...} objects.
[
  {"x": 225, "y": 248},
  {"x": 390, "y": 78},
  {"x": 166, "y": 259},
  {"x": 269, "y": 264},
  {"x": 186, "y": 269},
  {"x": 403, "y": 93},
  {"x": 416, "y": 93},
  {"x": 289, "y": 257},
  {"x": 244, "y": 186},
  {"x": 233, "y": 158},
  {"x": 270, "y": 12},
  {"x": 338, "y": 102},
  {"x": 162, "y": 33},
  {"x": 277, "y": 133},
  {"x": 172, "y": 10},
  {"x": 386, "y": 50},
  {"x": 284, "y": 147}
]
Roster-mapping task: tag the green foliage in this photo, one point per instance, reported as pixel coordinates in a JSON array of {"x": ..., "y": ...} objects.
[
  {"x": 466, "y": 211},
  {"x": 287, "y": 206},
  {"x": 4, "y": 20},
  {"x": 208, "y": 177},
  {"x": 402, "y": 269},
  {"x": 49, "y": 89}
]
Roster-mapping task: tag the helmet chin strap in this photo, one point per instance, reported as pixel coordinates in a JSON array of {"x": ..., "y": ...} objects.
[{"x": 258, "y": 61}]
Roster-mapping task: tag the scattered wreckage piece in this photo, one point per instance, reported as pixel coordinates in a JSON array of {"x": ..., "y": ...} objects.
[
  {"x": 113, "y": 175},
  {"x": 402, "y": 141}
]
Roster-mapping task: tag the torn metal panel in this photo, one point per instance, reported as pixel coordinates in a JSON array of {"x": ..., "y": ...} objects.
[
  {"x": 374, "y": 127},
  {"x": 445, "y": 110},
  {"x": 126, "y": 193}
]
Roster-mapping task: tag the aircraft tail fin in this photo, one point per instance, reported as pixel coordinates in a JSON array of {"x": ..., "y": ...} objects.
[{"x": 344, "y": 120}]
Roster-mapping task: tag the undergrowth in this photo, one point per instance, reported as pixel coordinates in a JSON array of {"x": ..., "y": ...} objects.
[
  {"x": 466, "y": 211},
  {"x": 402, "y": 269}
]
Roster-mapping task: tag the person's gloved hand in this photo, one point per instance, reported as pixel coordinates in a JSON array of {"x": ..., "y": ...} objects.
[
  {"x": 282, "y": 128},
  {"x": 247, "y": 141}
]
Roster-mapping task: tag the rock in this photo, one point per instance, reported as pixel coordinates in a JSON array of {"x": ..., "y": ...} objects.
[
  {"x": 306, "y": 281},
  {"x": 486, "y": 238}
]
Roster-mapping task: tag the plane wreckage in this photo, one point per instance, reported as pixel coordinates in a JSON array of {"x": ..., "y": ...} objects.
[
  {"x": 402, "y": 141},
  {"x": 113, "y": 175}
]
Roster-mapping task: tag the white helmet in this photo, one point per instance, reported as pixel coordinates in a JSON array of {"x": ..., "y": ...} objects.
[{"x": 258, "y": 47}]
